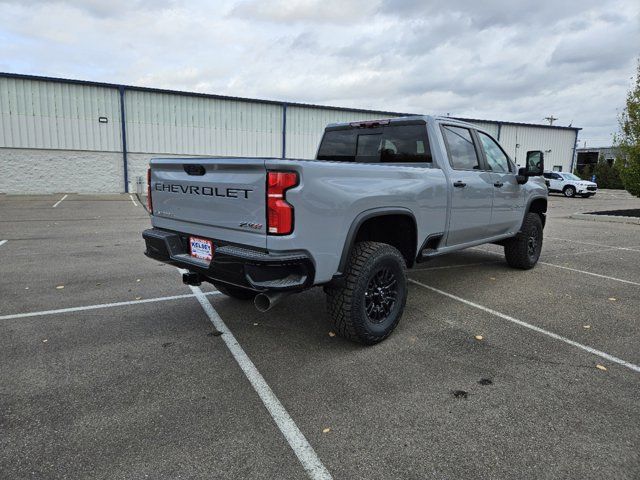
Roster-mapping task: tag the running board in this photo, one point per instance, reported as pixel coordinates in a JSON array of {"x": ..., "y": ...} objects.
[{"x": 429, "y": 247}]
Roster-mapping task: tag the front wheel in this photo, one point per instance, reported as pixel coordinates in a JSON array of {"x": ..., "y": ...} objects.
[
  {"x": 367, "y": 308},
  {"x": 523, "y": 250},
  {"x": 569, "y": 191}
]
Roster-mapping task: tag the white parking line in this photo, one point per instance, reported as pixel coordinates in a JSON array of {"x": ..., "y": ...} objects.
[
  {"x": 594, "y": 244},
  {"x": 59, "y": 201},
  {"x": 555, "y": 336},
  {"x": 134, "y": 202},
  {"x": 584, "y": 252},
  {"x": 301, "y": 447},
  {"x": 99, "y": 306},
  {"x": 2, "y": 242},
  {"x": 622, "y": 280},
  {"x": 591, "y": 273}
]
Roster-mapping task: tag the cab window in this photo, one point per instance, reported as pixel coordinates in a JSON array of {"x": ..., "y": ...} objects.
[
  {"x": 389, "y": 144},
  {"x": 461, "y": 149}
]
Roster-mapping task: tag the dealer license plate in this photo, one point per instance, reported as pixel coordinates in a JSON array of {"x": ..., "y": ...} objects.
[{"x": 201, "y": 248}]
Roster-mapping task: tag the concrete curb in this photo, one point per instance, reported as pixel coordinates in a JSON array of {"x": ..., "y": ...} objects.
[{"x": 605, "y": 218}]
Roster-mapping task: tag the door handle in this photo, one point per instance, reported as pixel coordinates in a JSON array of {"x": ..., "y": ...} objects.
[
  {"x": 498, "y": 184},
  {"x": 459, "y": 184}
]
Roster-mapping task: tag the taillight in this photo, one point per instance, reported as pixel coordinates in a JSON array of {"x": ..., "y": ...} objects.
[
  {"x": 149, "y": 201},
  {"x": 279, "y": 212}
]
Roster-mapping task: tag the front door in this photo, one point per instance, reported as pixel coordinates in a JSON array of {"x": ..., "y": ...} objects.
[
  {"x": 508, "y": 195},
  {"x": 472, "y": 196}
]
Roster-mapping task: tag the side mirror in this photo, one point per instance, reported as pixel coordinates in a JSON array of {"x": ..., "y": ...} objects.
[
  {"x": 522, "y": 177},
  {"x": 535, "y": 163}
]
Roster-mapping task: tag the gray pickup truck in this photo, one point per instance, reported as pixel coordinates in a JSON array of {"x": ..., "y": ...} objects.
[{"x": 380, "y": 197}]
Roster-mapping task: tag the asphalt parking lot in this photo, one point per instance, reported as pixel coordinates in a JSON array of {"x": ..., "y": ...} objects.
[{"x": 111, "y": 368}]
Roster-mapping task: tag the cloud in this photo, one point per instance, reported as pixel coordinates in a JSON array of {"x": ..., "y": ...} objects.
[
  {"x": 311, "y": 11},
  {"x": 98, "y": 8},
  {"x": 507, "y": 60},
  {"x": 602, "y": 47}
]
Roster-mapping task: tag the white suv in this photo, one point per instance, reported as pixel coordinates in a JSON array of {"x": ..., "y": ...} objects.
[{"x": 570, "y": 184}]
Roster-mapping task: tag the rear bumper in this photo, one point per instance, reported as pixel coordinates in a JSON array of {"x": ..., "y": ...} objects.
[{"x": 243, "y": 267}]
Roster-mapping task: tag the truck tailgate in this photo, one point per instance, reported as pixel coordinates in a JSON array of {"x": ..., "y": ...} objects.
[{"x": 219, "y": 198}]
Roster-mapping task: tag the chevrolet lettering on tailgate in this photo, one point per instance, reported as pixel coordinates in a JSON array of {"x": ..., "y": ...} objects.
[{"x": 209, "y": 191}]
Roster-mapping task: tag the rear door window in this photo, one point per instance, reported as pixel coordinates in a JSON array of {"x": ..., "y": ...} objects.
[
  {"x": 461, "y": 149},
  {"x": 388, "y": 144}
]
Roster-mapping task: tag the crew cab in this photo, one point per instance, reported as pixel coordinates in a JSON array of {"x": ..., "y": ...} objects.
[
  {"x": 380, "y": 197},
  {"x": 569, "y": 184}
]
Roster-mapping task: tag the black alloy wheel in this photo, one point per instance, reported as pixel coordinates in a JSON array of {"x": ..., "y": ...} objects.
[{"x": 381, "y": 295}]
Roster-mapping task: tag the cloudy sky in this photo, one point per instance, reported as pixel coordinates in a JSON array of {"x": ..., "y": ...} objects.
[{"x": 496, "y": 59}]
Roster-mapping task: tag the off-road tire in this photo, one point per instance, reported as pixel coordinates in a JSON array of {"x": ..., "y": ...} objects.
[
  {"x": 347, "y": 303},
  {"x": 569, "y": 191},
  {"x": 518, "y": 250},
  {"x": 235, "y": 292}
]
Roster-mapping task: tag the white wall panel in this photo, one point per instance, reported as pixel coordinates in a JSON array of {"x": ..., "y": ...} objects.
[
  {"x": 491, "y": 128},
  {"x": 557, "y": 144},
  {"x": 51, "y": 115},
  {"x": 180, "y": 124},
  {"x": 305, "y": 126}
]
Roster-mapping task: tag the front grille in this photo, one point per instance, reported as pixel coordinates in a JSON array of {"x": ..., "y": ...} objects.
[{"x": 592, "y": 189}]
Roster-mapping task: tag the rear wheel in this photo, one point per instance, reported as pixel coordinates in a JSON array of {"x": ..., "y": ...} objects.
[
  {"x": 569, "y": 191},
  {"x": 235, "y": 292},
  {"x": 523, "y": 250},
  {"x": 370, "y": 304}
]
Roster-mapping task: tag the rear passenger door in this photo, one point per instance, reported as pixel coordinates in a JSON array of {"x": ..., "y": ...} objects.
[
  {"x": 508, "y": 196},
  {"x": 471, "y": 185}
]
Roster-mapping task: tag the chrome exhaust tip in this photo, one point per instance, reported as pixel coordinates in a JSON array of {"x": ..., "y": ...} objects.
[{"x": 266, "y": 301}]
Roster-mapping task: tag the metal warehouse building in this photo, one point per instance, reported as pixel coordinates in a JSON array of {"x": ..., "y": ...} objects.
[{"x": 59, "y": 135}]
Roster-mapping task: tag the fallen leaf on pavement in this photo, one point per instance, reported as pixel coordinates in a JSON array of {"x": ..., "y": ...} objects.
[
  {"x": 613, "y": 299},
  {"x": 586, "y": 326},
  {"x": 326, "y": 430},
  {"x": 601, "y": 367}
]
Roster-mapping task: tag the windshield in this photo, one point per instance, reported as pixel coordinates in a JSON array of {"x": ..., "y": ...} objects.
[{"x": 570, "y": 176}]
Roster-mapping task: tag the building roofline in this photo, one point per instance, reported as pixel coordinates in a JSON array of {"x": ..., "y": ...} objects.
[
  {"x": 193, "y": 94},
  {"x": 255, "y": 100},
  {"x": 596, "y": 148},
  {"x": 523, "y": 124}
]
